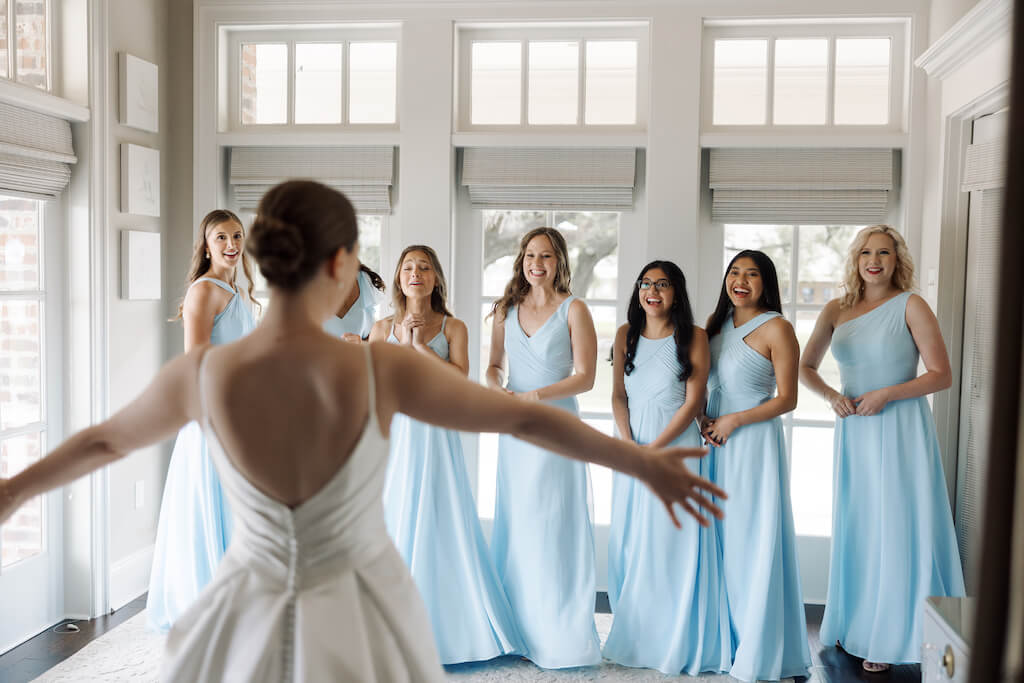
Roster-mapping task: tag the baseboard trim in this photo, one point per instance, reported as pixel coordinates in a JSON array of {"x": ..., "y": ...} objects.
[{"x": 129, "y": 577}]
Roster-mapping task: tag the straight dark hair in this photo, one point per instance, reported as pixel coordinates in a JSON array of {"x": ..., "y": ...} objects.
[
  {"x": 770, "y": 299},
  {"x": 681, "y": 315}
]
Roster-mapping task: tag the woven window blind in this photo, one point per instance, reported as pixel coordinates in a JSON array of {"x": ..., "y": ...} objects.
[
  {"x": 833, "y": 186},
  {"x": 364, "y": 174},
  {"x": 36, "y": 153},
  {"x": 580, "y": 179}
]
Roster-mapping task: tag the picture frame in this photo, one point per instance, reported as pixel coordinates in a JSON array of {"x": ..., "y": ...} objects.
[
  {"x": 140, "y": 180},
  {"x": 138, "y": 93},
  {"x": 140, "y": 265}
]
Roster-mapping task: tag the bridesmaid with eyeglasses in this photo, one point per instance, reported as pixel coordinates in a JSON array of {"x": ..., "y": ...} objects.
[{"x": 671, "y": 612}]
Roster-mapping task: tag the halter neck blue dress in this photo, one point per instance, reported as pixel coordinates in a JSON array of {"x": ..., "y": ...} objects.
[
  {"x": 431, "y": 516},
  {"x": 543, "y": 542},
  {"x": 195, "y": 522},
  {"x": 893, "y": 542},
  {"x": 671, "y": 612},
  {"x": 360, "y": 318},
  {"x": 758, "y": 540}
]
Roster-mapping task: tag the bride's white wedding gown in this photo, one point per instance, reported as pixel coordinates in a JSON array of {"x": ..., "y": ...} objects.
[{"x": 312, "y": 593}]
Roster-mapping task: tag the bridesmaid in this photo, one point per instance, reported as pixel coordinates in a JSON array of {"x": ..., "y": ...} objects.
[
  {"x": 893, "y": 542},
  {"x": 753, "y": 352},
  {"x": 428, "y": 503},
  {"x": 543, "y": 543},
  {"x": 355, "y": 318},
  {"x": 671, "y": 612},
  {"x": 195, "y": 522}
]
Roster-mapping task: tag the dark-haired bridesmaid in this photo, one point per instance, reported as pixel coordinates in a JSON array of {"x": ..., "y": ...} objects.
[
  {"x": 893, "y": 542},
  {"x": 671, "y": 612},
  {"x": 354, "y": 320},
  {"x": 753, "y": 381}
]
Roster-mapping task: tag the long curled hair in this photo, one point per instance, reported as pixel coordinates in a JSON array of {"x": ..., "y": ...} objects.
[
  {"x": 201, "y": 262},
  {"x": 681, "y": 315},
  {"x": 438, "y": 297},
  {"x": 902, "y": 278},
  {"x": 771, "y": 299},
  {"x": 517, "y": 287}
]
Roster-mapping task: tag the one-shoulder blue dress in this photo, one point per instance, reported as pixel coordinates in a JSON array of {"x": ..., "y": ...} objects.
[
  {"x": 195, "y": 521},
  {"x": 543, "y": 542},
  {"x": 758, "y": 539},
  {"x": 431, "y": 516},
  {"x": 671, "y": 611},
  {"x": 893, "y": 542}
]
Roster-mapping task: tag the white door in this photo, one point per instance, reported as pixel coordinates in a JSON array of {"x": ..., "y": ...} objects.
[
  {"x": 978, "y": 367},
  {"x": 31, "y": 301}
]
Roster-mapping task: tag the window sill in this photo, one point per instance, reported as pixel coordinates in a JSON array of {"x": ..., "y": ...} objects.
[
  {"x": 33, "y": 99},
  {"x": 852, "y": 138}
]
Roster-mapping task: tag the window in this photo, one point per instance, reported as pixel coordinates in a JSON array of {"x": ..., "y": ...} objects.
[
  {"x": 828, "y": 75},
  {"x": 25, "y": 42},
  {"x": 314, "y": 77},
  {"x": 23, "y": 420},
  {"x": 581, "y": 76},
  {"x": 593, "y": 241},
  {"x": 371, "y": 227},
  {"x": 809, "y": 260}
]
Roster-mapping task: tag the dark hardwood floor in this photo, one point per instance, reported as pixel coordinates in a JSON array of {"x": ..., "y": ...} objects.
[
  {"x": 31, "y": 659},
  {"x": 49, "y": 648}
]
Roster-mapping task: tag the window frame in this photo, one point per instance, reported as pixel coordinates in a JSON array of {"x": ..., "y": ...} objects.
[
  {"x": 467, "y": 34},
  {"x": 12, "y": 49},
  {"x": 233, "y": 40},
  {"x": 895, "y": 29}
]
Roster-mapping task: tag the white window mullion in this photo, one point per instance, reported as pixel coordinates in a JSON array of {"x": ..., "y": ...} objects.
[
  {"x": 581, "y": 83},
  {"x": 524, "y": 83},
  {"x": 830, "y": 83}
]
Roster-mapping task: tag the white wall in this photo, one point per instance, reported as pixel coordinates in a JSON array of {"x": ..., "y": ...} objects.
[{"x": 135, "y": 328}]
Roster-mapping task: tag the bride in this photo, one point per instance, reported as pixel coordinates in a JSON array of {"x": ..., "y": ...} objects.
[{"x": 311, "y": 587}]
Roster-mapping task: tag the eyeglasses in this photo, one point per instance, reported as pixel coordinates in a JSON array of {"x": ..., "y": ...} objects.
[{"x": 659, "y": 285}]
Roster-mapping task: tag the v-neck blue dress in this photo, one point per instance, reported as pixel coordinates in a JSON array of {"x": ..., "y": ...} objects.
[
  {"x": 543, "y": 542},
  {"x": 431, "y": 516},
  {"x": 195, "y": 521},
  {"x": 893, "y": 542}
]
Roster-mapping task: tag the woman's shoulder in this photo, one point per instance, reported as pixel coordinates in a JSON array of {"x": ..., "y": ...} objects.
[{"x": 206, "y": 295}]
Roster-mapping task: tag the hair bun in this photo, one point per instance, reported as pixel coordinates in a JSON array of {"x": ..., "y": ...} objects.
[{"x": 277, "y": 246}]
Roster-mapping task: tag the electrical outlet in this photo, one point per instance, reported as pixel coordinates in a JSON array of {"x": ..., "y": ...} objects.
[{"x": 140, "y": 494}]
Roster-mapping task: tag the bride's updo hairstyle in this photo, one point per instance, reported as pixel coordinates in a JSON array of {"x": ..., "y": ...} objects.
[{"x": 298, "y": 226}]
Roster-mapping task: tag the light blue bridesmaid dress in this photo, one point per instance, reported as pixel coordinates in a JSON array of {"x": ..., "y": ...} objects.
[
  {"x": 431, "y": 515},
  {"x": 893, "y": 542},
  {"x": 757, "y": 537},
  {"x": 671, "y": 612},
  {"x": 543, "y": 543},
  {"x": 359, "y": 319},
  {"x": 195, "y": 521}
]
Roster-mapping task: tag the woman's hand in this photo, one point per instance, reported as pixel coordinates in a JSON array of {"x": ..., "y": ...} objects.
[
  {"x": 673, "y": 482},
  {"x": 8, "y": 503},
  {"x": 352, "y": 338},
  {"x": 528, "y": 395},
  {"x": 841, "y": 405},
  {"x": 871, "y": 403},
  {"x": 411, "y": 325},
  {"x": 721, "y": 427},
  {"x": 704, "y": 424}
]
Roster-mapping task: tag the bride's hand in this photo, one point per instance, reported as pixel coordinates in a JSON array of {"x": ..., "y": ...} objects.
[
  {"x": 8, "y": 503},
  {"x": 668, "y": 477}
]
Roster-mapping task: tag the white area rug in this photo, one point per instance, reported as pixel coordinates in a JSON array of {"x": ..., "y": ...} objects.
[{"x": 132, "y": 653}]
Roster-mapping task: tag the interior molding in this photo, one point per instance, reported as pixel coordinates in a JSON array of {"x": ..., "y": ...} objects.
[
  {"x": 42, "y": 102},
  {"x": 988, "y": 20},
  {"x": 129, "y": 577}
]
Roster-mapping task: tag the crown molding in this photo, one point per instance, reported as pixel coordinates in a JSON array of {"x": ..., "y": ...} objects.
[{"x": 987, "y": 21}]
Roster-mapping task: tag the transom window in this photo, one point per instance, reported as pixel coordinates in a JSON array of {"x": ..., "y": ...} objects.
[
  {"x": 545, "y": 76},
  {"x": 832, "y": 75},
  {"x": 809, "y": 260},
  {"x": 321, "y": 77},
  {"x": 25, "y": 42}
]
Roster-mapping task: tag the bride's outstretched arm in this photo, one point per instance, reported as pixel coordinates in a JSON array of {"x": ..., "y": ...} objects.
[
  {"x": 162, "y": 408},
  {"x": 446, "y": 399}
]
